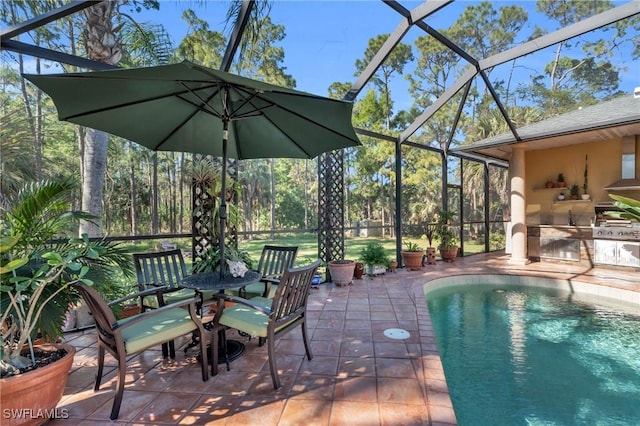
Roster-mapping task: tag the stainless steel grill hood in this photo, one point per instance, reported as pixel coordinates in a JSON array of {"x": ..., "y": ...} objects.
[{"x": 629, "y": 182}]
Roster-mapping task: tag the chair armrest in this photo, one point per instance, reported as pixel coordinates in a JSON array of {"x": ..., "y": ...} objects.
[
  {"x": 241, "y": 301},
  {"x": 161, "y": 288},
  {"x": 144, "y": 293},
  {"x": 271, "y": 279},
  {"x": 191, "y": 303}
]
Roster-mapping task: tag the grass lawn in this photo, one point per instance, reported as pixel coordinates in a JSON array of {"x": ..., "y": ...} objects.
[{"x": 307, "y": 246}]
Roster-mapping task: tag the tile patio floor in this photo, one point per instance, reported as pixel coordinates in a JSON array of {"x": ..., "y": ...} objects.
[{"x": 357, "y": 376}]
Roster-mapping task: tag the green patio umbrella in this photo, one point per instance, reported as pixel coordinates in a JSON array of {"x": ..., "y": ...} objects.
[{"x": 190, "y": 108}]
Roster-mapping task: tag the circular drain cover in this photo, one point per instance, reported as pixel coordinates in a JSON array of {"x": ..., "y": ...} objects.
[{"x": 396, "y": 333}]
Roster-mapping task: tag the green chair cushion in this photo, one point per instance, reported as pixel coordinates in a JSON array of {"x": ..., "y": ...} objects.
[
  {"x": 249, "y": 320},
  {"x": 169, "y": 298},
  {"x": 156, "y": 329},
  {"x": 245, "y": 319},
  {"x": 262, "y": 301},
  {"x": 253, "y": 290}
]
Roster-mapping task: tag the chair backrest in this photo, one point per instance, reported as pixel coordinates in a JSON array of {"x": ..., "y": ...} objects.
[
  {"x": 160, "y": 268},
  {"x": 101, "y": 312},
  {"x": 275, "y": 260},
  {"x": 290, "y": 300}
]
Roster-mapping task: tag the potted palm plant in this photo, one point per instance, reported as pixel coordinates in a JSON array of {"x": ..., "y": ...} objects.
[
  {"x": 412, "y": 256},
  {"x": 36, "y": 278},
  {"x": 448, "y": 243}
]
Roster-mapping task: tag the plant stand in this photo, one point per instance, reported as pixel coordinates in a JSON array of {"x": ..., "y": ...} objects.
[
  {"x": 431, "y": 255},
  {"x": 358, "y": 271}
]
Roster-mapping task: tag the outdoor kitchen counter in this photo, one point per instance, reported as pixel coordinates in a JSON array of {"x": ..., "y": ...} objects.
[{"x": 560, "y": 243}]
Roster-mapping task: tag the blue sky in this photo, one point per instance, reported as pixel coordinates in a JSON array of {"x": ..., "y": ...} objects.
[{"x": 325, "y": 38}]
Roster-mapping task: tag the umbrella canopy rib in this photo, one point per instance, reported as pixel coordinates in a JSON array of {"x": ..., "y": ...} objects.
[{"x": 289, "y": 137}]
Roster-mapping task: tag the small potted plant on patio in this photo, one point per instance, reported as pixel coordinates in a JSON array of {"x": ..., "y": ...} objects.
[
  {"x": 374, "y": 258},
  {"x": 36, "y": 278},
  {"x": 448, "y": 243},
  {"x": 430, "y": 232},
  {"x": 412, "y": 256}
]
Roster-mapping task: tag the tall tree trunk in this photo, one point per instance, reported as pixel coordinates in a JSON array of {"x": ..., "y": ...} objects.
[
  {"x": 306, "y": 194},
  {"x": 95, "y": 164},
  {"x": 154, "y": 196},
  {"x": 35, "y": 120},
  {"x": 181, "y": 186},
  {"x": 133, "y": 217},
  {"x": 171, "y": 202},
  {"x": 102, "y": 44},
  {"x": 272, "y": 178}
]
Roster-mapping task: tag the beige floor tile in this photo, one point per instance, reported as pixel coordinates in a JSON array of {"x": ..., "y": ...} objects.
[
  {"x": 354, "y": 413},
  {"x": 356, "y": 389},
  {"x": 168, "y": 407},
  {"x": 260, "y": 411},
  {"x": 400, "y": 390},
  {"x": 403, "y": 415},
  {"x": 313, "y": 387},
  {"x": 307, "y": 412}
]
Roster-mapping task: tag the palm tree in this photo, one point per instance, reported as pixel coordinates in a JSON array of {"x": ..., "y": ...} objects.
[{"x": 103, "y": 42}]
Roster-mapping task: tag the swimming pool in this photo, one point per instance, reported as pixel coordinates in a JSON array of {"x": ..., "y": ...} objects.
[{"x": 541, "y": 355}]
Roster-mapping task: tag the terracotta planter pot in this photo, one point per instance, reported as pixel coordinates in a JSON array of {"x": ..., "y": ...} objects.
[
  {"x": 37, "y": 391},
  {"x": 130, "y": 310},
  {"x": 431, "y": 255},
  {"x": 449, "y": 255},
  {"x": 412, "y": 260},
  {"x": 393, "y": 265},
  {"x": 342, "y": 271},
  {"x": 358, "y": 271}
]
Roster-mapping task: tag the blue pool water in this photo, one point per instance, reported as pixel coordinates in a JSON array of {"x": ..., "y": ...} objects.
[{"x": 532, "y": 356}]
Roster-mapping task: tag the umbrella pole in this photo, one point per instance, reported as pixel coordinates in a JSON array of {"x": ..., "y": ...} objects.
[{"x": 223, "y": 195}]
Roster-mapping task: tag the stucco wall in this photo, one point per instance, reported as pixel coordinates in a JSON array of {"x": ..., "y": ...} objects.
[{"x": 604, "y": 159}]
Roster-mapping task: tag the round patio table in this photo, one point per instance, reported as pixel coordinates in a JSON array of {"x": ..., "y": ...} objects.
[{"x": 207, "y": 281}]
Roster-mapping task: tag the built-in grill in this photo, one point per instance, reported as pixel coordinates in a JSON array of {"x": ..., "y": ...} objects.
[
  {"x": 611, "y": 228},
  {"x": 621, "y": 233}
]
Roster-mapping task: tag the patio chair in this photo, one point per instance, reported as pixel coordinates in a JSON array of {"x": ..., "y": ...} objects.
[
  {"x": 162, "y": 271},
  {"x": 268, "y": 318},
  {"x": 274, "y": 261},
  {"x": 132, "y": 335}
]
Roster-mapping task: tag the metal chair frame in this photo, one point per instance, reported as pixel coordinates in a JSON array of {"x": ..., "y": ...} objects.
[
  {"x": 110, "y": 334},
  {"x": 287, "y": 311}
]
